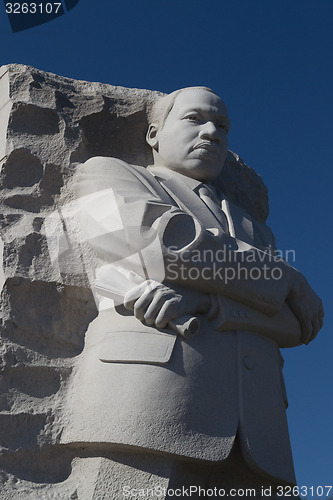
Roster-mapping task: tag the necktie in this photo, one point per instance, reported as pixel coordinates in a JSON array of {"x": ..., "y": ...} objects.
[{"x": 209, "y": 197}]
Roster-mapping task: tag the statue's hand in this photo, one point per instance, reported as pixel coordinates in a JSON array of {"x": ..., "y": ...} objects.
[
  {"x": 307, "y": 307},
  {"x": 157, "y": 304}
]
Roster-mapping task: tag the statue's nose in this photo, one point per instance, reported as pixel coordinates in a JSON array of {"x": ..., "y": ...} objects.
[{"x": 209, "y": 131}]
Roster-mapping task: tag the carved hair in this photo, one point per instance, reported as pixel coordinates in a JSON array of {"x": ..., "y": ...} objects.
[{"x": 162, "y": 106}]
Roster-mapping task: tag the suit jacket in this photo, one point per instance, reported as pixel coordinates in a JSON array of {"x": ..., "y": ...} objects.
[{"x": 140, "y": 387}]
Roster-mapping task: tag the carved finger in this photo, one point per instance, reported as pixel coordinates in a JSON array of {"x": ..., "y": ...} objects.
[
  {"x": 170, "y": 310},
  {"x": 162, "y": 299},
  {"x": 316, "y": 327},
  {"x": 154, "y": 308},
  {"x": 133, "y": 294},
  {"x": 143, "y": 303},
  {"x": 306, "y": 331}
]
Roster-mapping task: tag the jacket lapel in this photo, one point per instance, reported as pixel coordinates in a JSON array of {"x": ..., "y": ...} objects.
[
  {"x": 243, "y": 227},
  {"x": 240, "y": 224}
]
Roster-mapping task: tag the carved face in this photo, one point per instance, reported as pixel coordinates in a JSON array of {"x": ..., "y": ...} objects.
[{"x": 193, "y": 140}]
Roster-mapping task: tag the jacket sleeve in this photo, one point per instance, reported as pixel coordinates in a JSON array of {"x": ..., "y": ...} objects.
[{"x": 126, "y": 214}]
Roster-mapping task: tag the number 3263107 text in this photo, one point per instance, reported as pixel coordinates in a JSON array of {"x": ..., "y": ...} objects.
[{"x": 32, "y": 8}]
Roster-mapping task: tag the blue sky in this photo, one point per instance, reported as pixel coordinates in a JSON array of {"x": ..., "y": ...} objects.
[{"x": 271, "y": 61}]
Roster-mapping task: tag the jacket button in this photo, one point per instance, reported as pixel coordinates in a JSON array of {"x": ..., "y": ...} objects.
[{"x": 249, "y": 362}]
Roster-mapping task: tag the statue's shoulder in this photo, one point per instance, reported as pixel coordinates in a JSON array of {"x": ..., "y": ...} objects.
[
  {"x": 99, "y": 164},
  {"x": 108, "y": 169},
  {"x": 100, "y": 172}
]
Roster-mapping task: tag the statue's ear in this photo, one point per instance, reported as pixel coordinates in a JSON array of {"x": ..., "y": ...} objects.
[{"x": 152, "y": 135}]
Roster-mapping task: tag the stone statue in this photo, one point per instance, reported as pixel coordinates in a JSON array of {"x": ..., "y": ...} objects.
[
  {"x": 176, "y": 380},
  {"x": 207, "y": 409}
]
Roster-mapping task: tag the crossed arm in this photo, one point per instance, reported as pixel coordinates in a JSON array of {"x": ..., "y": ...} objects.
[{"x": 143, "y": 205}]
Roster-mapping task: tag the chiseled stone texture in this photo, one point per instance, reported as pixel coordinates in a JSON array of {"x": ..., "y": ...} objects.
[{"x": 49, "y": 124}]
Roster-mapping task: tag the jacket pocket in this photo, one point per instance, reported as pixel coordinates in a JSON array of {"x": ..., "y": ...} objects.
[{"x": 137, "y": 347}]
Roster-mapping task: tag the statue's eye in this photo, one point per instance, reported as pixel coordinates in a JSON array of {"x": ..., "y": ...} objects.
[
  {"x": 222, "y": 126},
  {"x": 193, "y": 118}
]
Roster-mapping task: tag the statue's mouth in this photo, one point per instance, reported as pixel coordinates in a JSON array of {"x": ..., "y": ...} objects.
[{"x": 208, "y": 146}]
